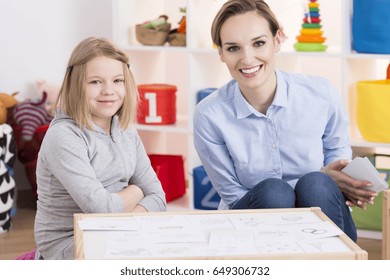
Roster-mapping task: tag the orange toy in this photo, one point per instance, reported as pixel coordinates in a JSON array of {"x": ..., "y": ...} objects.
[
  {"x": 310, "y": 39},
  {"x": 183, "y": 26}
]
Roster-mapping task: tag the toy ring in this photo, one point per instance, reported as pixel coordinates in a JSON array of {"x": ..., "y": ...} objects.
[
  {"x": 311, "y": 31},
  {"x": 310, "y": 47},
  {"x": 314, "y": 5},
  {"x": 311, "y": 25},
  {"x": 311, "y": 39},
  {"x": 314, "y": 20}
]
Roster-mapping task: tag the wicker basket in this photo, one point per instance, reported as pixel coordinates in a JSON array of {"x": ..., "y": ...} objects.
[
  {"x": 177, "y": 39},
  {"x": 152, "y": 37}
]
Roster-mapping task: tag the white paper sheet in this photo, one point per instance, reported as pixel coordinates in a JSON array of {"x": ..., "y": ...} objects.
[
  {"x": 125, "y": 223},
  {"x": 362, "y": 169},
  {"x": 317, "y": 230},
  {"x": 216, "y": 235},
  {"x": 127, "y": 245}
]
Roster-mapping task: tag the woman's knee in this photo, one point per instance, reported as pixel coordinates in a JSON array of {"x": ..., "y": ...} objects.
[
  {"x": 274, "y": 193},
  {"x": 316, "y": 182},
  {"x": 316, "y": 187}
]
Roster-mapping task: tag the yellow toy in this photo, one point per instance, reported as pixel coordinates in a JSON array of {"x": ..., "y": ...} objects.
[{"x": 7, "y": 101}]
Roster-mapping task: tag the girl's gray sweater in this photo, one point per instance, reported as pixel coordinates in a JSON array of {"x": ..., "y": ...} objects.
[{"x": 80, "y": 171}]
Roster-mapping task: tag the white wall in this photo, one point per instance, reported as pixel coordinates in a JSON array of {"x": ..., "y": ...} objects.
[{"x": 36, "y": 39}]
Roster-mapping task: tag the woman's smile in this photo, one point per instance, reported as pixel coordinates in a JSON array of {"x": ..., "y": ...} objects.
[{"x": 250, "y": 71}]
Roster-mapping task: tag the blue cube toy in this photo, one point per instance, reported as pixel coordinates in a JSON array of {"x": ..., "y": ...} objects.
[{"x": 205, "y": 196}]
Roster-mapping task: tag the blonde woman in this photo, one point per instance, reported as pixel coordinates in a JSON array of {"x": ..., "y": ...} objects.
[{"x": 92, "y": 159}]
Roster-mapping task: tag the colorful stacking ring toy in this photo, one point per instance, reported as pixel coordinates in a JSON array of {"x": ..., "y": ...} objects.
[{"x": 310, "y": 38}]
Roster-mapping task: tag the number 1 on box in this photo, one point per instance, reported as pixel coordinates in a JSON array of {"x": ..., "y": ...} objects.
[{"x": 152, "y": 117}]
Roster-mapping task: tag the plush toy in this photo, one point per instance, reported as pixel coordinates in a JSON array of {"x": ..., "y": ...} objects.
[
  {"x": 30, "y": 114},
  {"x": 7, "y": 102},
  {"x": 52, "y": 92},
  {"x": 7, "y": 161}
]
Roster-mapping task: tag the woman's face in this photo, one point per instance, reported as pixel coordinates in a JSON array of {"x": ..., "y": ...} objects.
[
  {"x": 105, "y": 88},
  {"x": 248, "y": 50}
]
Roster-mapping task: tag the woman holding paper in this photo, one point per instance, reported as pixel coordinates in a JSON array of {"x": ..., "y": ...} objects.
[{"x": 271, "y": 139}]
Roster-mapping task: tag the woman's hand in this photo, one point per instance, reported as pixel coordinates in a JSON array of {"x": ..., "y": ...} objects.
[
  {"x": 131, "y": 196},
  {"x": 354, "y": 190}
]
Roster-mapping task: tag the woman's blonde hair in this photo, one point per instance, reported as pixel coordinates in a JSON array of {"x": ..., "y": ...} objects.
[
  {"x": 72, "y": 98},
  {"x": 238, "y": 7}
]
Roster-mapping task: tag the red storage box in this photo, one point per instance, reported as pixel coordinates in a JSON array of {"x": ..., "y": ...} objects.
[
  {"x": 170, "y": 172},
  {"x": 157, "y": 104}
]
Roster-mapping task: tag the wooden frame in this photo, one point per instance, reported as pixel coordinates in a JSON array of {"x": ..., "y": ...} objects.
[
  {"x": 386, "y": 225},
  {"x": 356, "y": 252}
]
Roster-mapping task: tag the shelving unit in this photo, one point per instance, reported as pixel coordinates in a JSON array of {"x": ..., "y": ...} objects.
[{"x": 197, "y": 66}]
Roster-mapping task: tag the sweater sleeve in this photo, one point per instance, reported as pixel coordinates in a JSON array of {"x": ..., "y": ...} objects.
[{"x": 145, "y": 178}]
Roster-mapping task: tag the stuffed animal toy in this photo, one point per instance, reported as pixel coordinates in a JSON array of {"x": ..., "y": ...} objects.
[
  {"x": 52, "y": 92},
  {"x": 7, "y": 161},
  {"x": 7, "y": 102},
  {"x": 30, "y": 115}
]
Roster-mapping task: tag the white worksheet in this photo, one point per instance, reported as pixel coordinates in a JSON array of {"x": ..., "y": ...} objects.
[{"x": 238, "y": 234}]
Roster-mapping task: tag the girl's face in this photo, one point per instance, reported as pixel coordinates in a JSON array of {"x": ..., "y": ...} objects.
[
  {"x": 248, "y": 50},
  {"x": 105, "y": 88}
]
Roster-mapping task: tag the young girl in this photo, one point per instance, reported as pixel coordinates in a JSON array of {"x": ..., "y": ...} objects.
[
  {"x": 91, "y": 159},
  {"x": 271, "y": 139}
]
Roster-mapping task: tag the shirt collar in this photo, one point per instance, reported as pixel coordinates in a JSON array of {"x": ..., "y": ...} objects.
[
  {"x": 244, "y": 109},
  {"x": 281, "y": 90}
]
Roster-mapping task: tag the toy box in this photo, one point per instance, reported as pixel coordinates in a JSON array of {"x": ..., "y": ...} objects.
[
  {"x": 372, "y": 110},
  {"x": 170, "y": 172},
  {"x": 205, "y": 196},
  {"x": 203, "y": 93},
  {"x": 157, "y": 104},
  {"x": 370, "y": 21}
]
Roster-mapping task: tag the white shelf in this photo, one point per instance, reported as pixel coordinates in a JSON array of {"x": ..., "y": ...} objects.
[
  {"x": 154, "y": 48},
  {"x": 310, "y": 54},
  {"x": 355, "y": 55},
  {"x": 163, "y": 128},
  {"x": 361, "y": 143},
  {"x": 370, "y": 234},
  {"x": 181, "y": 126}
]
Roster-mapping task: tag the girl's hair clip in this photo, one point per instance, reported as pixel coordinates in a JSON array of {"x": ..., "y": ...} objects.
[
  {"x": 128, "y": 65},
  {"x": 69, "y": 68}
]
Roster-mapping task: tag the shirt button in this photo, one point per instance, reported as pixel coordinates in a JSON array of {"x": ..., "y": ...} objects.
[
  {"x": 274, "y": 146},
  {"x": 277, "y": 171}
]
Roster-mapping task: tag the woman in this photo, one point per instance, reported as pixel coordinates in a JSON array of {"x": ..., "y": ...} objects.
[
  {"x": 271, "y": 139},
  {"x": 91, "y": 159}
]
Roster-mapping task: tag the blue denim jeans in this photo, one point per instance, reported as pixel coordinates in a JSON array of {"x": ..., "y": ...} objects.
[{"x": 315, "y": 189}]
